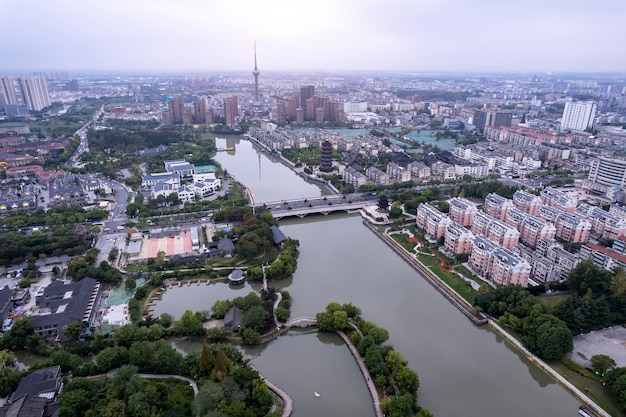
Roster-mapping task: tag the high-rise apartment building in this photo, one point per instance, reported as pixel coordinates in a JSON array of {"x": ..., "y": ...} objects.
[
  {"x": 199, "y": 108},
  {"x": 231, "y": 110},
  {"x": 484, "y": 118},
  {"x": 281, "y": 116},
  {"x": 177, "y": 106},
  {"x": 578, "y": 115},
  {"x": 306, "y": 92},
  {"x": 34, "y": 92},
  {"x": 7, "y": 91}
]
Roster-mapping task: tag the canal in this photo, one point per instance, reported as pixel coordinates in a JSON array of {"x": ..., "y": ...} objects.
[{"x": 464, "y": 370}]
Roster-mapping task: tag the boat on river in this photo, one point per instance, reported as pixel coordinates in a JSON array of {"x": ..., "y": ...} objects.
[{"x": 585, "y": 411}]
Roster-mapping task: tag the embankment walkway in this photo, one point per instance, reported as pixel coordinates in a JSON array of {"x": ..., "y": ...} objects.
[
  {"x": 428, "y": 275},
  {"x": 366, "y": 374},
  {"x": 285, "y": 398}
]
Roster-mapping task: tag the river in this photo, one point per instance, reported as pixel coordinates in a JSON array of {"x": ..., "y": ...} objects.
[{"x": 464, "y": 370}]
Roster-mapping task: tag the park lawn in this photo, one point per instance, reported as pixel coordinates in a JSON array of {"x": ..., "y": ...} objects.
[
  {"x": 462, "y": 288},
  {"x": 402, "y": 240},
  {"x": 551, "y": 301}
]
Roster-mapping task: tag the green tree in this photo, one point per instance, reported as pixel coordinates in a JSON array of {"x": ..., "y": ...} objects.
[
  {"x": 75, "y": 403},
  {"x": 255, "y": 317},
  {"x": 20, "y": 331},
  {"x": 74, "y": 330},
  {"x": 112, "y": 357},
  {"x": 219, "y": 309},
  {"x": 601, "y": 364},
  {"x": 130, "y": 284},
  {"x": 206, "y": 361},
  {"x": 250, "y": 336},
  {"x": 586, "y": 276},
  {"x": 209, "y": 396},
  {"x": 401, "y": 406}
]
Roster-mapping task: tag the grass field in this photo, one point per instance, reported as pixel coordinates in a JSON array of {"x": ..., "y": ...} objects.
[
  {"x": 592, "y": 387},
  {"x": 402, "y": 240},
  {"x": 551, "y": 301}
]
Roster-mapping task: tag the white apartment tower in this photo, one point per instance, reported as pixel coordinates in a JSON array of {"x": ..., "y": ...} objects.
[
  {"x": 7, "y": 91},
  {"x": 34, "y": 92},
  {"x": 578, "y": 115}
]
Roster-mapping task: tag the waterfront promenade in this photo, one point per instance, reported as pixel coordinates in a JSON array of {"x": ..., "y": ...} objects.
[{"x": 366, "y": 374}]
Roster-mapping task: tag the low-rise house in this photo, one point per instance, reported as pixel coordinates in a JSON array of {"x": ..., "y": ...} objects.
[
  {"x": 62, "y": 304},
  {"x": 149, "y": 181},
  {"x": 236, "y": 277},
  {"x": 233, "y": 319},
  {"x": 603, "y": 257},
  {"x": 44, "y": 383}
]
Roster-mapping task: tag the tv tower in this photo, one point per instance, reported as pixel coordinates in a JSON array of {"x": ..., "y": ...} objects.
[{"x": 256, "y": 77}]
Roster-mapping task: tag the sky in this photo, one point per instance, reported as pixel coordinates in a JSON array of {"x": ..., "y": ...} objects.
[{"x": 319, "y": 35}]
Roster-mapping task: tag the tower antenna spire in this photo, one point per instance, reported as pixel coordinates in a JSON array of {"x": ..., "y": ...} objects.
[{"x": 256, "y": 73}]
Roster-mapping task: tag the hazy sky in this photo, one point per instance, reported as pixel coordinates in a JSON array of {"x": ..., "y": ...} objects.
[{"x": 420, "y": 35}]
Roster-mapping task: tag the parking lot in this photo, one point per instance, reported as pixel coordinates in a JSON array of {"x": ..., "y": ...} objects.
[{"x": 610, "y": 341}]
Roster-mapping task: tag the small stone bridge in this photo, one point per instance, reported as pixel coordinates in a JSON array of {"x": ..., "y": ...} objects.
[{"x": 301, "y": 322}]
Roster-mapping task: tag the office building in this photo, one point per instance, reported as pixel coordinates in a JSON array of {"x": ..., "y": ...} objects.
[
  {"x": 578, "y": 115},
  {"x": 7, "y": 91},
  {"x": 608, "y": 172},
  {"x": 34, "y": 92}
]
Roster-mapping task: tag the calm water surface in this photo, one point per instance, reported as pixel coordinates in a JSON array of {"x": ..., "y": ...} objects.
[{"x": 465, "y": 371}]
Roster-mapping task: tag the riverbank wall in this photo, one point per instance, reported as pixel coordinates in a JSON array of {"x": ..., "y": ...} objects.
[
  {"x": 285, "y": 398},
  {"x": 548, "y": 369},
  {"x": 308, "y": 178},
  {"x": 425, "y": 273}
]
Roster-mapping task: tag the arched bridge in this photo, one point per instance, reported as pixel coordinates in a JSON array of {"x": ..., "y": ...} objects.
[
  {"x": 301, "y": 322},
  {"x": 326, "y": 204}
]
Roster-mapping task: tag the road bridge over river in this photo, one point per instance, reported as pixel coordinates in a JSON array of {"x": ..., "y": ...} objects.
[{"x": 349, "y": 203}]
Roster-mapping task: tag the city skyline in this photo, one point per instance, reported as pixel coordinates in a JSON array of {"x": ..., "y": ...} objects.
[{"x": 404, "y": 35}]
